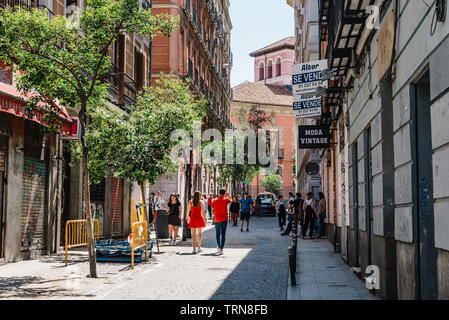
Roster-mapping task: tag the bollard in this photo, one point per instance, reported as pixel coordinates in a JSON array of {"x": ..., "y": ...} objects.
[{"x": 291, "y": 262}]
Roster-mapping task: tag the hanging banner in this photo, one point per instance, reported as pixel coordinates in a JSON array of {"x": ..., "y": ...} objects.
[
  {"x": 307, "y": 77},
  {"x": 307, "y": 106},
  {"x": 314, "y": 137}
]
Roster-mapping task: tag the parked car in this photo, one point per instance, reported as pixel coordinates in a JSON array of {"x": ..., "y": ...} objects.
[{"x": 268, "y": 203}]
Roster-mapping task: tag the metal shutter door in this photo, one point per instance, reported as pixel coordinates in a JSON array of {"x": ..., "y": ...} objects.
[{"x": 34, "y": 212}]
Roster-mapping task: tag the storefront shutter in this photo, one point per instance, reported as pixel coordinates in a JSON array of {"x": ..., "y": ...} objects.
[{"x": 34, "y": 193}]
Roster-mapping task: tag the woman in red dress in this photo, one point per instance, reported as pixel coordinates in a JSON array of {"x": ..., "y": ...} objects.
[{"x": 196, "y": 218}]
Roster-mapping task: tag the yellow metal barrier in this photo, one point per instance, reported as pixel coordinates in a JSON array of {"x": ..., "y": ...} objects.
[
  {"x": 76, "y": 234},
  {"x": 139, "y": 239}
]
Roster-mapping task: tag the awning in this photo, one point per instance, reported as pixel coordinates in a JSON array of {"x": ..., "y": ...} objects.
[{"x": 13, "y": 101}]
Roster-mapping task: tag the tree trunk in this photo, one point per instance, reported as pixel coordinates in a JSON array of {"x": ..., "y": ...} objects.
[{"x": 89, "y": 229}]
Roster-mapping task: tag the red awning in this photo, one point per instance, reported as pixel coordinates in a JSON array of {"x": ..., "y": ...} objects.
[{"x": 14, "y": 102}]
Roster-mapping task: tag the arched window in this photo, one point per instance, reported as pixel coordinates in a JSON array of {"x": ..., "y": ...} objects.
[
  {"x": 270, "y": 69},
  {"x": 261, "y": 71},
  {"x": 278, "y": 67}
]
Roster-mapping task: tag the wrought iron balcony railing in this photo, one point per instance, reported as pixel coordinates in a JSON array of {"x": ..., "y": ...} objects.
[
  {"x": 190, "y": 70},
  {"x": 16, "y": 3}
]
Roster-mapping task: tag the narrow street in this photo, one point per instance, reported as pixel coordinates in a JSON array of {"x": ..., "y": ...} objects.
[{"x": 254, "y": 266}]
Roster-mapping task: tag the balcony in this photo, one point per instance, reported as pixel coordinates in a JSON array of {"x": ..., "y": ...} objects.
[
  {"x": 113, "y": 78},
  {"x": 190, "y": 70},
  {"x": 344, "y": 21},
  {"x": 16, "y": 3},
  {"x": 196, "y": 78},
  {"x": 130, "y": 91}
]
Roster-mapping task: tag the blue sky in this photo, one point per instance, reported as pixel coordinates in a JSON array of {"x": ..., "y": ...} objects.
[{"x": 257, "y": 23}]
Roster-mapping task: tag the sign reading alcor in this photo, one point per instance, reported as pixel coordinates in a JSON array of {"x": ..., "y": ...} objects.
[
  {"x": 314, "y": 137},
  {"x": 307, "y": 77}
]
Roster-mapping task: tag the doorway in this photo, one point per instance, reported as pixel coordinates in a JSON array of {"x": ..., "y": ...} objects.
[
  {"x": 424, "y": 225},
  {"x": 3, "y": 166},
  {"x": 355, "y": 194},
  {"x": 369, "y": 195}
]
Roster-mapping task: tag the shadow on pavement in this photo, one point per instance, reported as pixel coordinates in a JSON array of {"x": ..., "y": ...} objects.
[{"x": 32, "y": 287}]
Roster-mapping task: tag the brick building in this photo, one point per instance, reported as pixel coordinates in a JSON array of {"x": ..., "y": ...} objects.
[
  {"x": 273, "y": 63},
  {"x": 43, "y": 190},
  {"x": 276, "y": 101},
  {"x": 199, "y": 50}
]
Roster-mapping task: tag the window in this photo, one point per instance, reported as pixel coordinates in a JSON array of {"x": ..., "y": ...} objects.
[
  {"x": 270, "y": 69},
  {"x": 278, "y": 67},
  {"x": 261, "y": 71}
]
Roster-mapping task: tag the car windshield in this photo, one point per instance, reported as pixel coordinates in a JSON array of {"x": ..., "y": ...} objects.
[{"x": 266, "y": 198}]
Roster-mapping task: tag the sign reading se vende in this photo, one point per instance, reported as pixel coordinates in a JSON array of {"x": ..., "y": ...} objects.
[
  {"x": 314, "y": 137},
  {"x": 307, "y": 77},
  {"x": 307, "y": 106}
]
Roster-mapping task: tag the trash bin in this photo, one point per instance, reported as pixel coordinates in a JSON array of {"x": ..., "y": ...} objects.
[{"x": 162, "y": 224}]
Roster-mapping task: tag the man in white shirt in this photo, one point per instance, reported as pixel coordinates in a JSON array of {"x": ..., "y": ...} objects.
[{"x": 159, "y": 202}]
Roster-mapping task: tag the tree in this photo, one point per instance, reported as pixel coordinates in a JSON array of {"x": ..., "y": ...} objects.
[
  {"x": 138, "y": 147},
  {"x": 64, "y": 60},
  {"x": 254, "y": 120},
  {"x": 272, "y": 183}
]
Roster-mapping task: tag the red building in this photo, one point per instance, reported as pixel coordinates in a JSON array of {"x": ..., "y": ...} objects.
[{"x": 271, "y": 93}]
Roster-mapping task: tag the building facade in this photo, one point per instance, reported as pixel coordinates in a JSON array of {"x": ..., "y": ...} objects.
[
  {"x": 306, "y": 49},
  {"x": 388, "y": 106},
  {"x": 44, "y": 188},
  {"x": 199, "y": 50},
  {"x": 271, "y": 93},
  {"x": 273, "y": 63}
]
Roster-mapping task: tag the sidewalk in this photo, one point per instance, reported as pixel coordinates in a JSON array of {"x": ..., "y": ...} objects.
[{"x": 323, "y": 275}]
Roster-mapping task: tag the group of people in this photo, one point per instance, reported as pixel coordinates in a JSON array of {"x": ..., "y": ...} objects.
[
  {"x": 199, "y": 209},
  {"x": 310, "y": 214}
]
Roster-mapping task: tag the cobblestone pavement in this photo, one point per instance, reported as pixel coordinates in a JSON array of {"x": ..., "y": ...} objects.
[
  {"x": 324, "y": 276},
  {"x": 254, "y": 266}
]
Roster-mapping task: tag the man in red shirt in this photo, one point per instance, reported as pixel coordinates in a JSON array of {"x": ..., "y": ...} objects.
[
  {"x": 220, "y": 213},
  {"x": 209, "y": 205}
]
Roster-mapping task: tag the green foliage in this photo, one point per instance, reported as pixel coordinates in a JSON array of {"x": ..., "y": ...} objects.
[
  {"x": 65, "y": 60},
  {"x": 138, "y": 147},
  {"x": 272, "y": 183}
]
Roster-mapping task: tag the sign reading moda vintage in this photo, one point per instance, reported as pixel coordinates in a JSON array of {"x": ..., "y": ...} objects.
[
  {"x": 307, "y": 77},
  {"x": 314, "y": 137},
  {"x": 307, "y": 106}
]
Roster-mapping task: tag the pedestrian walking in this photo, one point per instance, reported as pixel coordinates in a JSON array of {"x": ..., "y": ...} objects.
[
  {"x": 196, "y": 219},
  {"x": 282, "y": 212},
  {"x": 292, "y": 197},
  {"x": 206, "y": 207},
  {"x": 151, "y": 216},
  {"x": 209, "y": 205},
  {"x": 235, "y": 210},
  {"x": 299, "y": 212},
  {"x": 174, "y": 217},
  {"x": 158, "y": 204},
  {"x": 246, "y": 211},
  {"x": 220, "y": 214},
  {"x": 322, "y": 214},
  {"x": 290, "y": 218},
  {"x": 311, "y": 215}
]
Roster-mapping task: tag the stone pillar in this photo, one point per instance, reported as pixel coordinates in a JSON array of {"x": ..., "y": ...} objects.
[
  {"x": 76, "y": 191},
  {"x": 14, "y": 191},
  {"x": 52, "y": 191}
]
